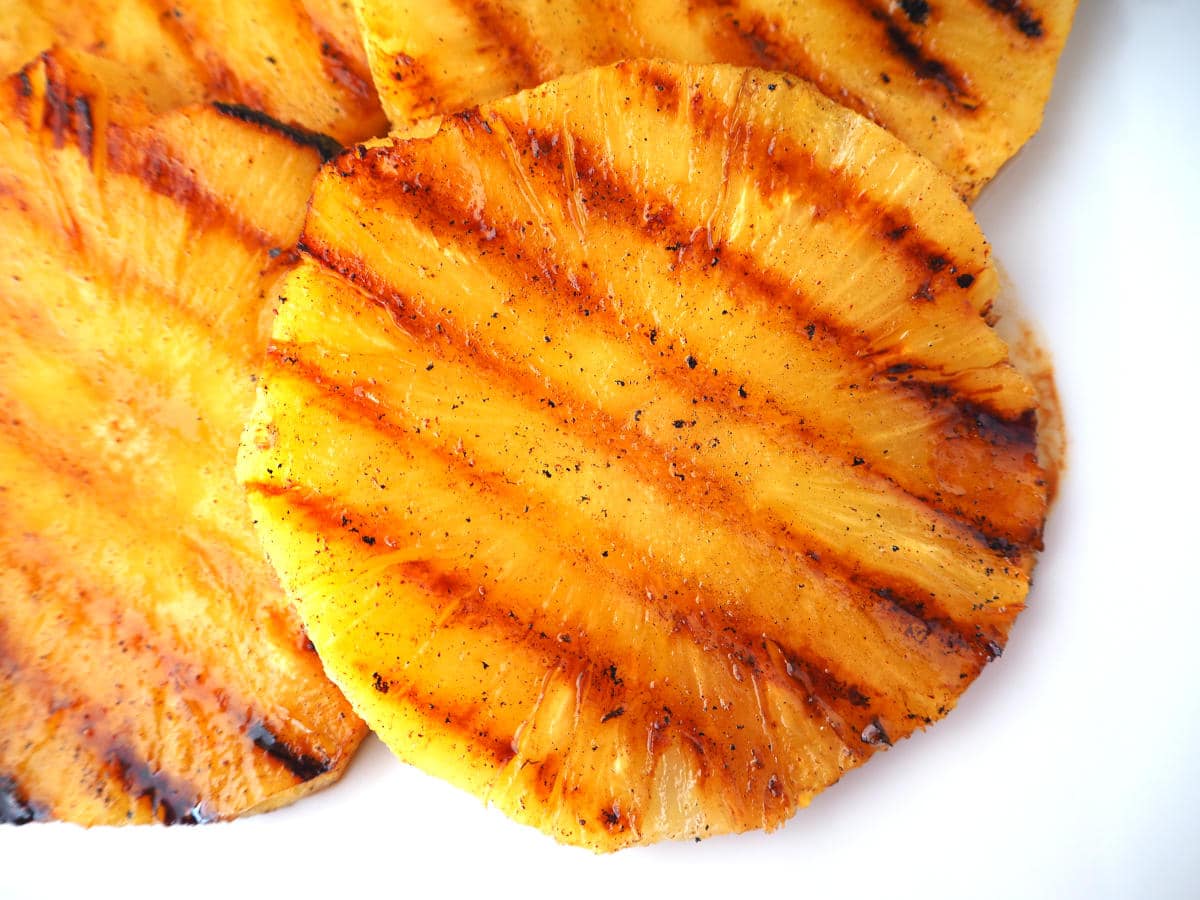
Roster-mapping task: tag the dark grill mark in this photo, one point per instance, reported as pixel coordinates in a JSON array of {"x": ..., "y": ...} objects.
[
  {"x": 497, "y": 491},
  {"x": 303, "y": 766},
  {"x": 836, "y": 191},
  {"x": 929, "y": 620},
  {"x": 610, "y": 197},
  {"x": 755, "y": 41},
  {"x": 161, "y": 169},
  {"x": 511, "y": 36},
  {"x": 15, "y": 808},
  {"x": 83, "y": 126},
  {"x": 656, "y": 460},
  {"x": 496, "y": 611},
  {"x": 444, "y": 213},
  {"x": 916, "y": 10},
  {"x": 927, "y": 68},
  {"x": 23, "y": 89},
  {"x": 345, "y": 70},
  {"x": 470, "y": 721},
  {"x": 56, "y": 113},
  {"x": 1019, "y": 16},
  {"x": 1020, "y": 432},
  {"x": 744, "y": 38},
  {"x": 422, "y": 92},
  {"x": 171, "y": 802},
  {"x": 171, "y": 799},
  {"x": 900, "y": 42},
  {"x": 326, "y": 146},
  {"x": 212, "y": 74}
]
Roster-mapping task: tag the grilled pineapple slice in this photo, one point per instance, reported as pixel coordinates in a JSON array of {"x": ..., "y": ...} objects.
[
  {"x": 301, "y": 61},
  {"x": 962, "y": 81},
  {"x": 638, "y": 453},
  {"x": 151, "y": 669}
]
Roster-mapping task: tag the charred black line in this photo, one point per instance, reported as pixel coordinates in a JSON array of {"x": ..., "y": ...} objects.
[
  {"x": 1022, "y": 19},
  {"x": 954, "y": 636},
  {"x": 301, "y": 765},
  {"x": 820, "y": 687},
  {"x": 24, "y": 84},
  {"x": 969, "y": 420},
  {"x": 927, "y": 68},
  {"x": 444, "y": 209},
  {"x": 818, "y": 678},
  {"x": 15, "y": 807},
  {"x": 1018, "y": 432},
  {"x": 450, "y": 209},
  {"x": 999, "y": 432},
  {"x": 172, "y": 803},
  {"x": 809, "y": 674},
  {"x": 326, "y": 146},
  {"x": 57, "y": 112},
  {"x": 615, "y": 713},
  {"x": 808, "y": 669},
  {"x": 85, "y": 128}
]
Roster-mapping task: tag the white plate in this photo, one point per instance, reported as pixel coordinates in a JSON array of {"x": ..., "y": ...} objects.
[{"x": 1067, "y": 769}]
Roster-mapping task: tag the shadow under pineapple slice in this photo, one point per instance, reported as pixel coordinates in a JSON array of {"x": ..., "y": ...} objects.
[
  {"x": 301, "y": 61},
  {"x": 151, "y": 668},
  {"x": 962, "y": 81},
  {"x": 638, "y": 452}
]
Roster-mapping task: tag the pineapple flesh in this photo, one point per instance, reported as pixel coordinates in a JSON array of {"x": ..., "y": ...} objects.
[
  {"x": 962, "y": 81},
  {"x": 638, "y": 452},
  {"x": 300, "y": 61},
  {"x": 151, "y": 668}
]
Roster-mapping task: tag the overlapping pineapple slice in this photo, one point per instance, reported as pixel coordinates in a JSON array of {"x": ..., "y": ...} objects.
[
  {"x": 962, "y": 81},
  {"x": 301, "y": 61},
  {"x": 151, "y": 669},
  {"x": 637, "y": 450}
]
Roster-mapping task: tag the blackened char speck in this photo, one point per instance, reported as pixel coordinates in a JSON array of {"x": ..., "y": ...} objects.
[
  {"x": 874, "y": 734},
  {"x": 15, "y": 809},
  {"x": 916, "y": 10}
]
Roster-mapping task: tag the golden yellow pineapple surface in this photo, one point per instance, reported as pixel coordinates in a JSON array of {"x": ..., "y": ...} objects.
[
  {"x": 638, "y": 453},
  {"x": 151, "y": 668},
  {"x": 962, "y": 81},
  {"x": 301, "y": 61}
]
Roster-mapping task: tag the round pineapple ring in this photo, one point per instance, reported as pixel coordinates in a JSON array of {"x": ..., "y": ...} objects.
[{"x": 638, "y": 452}]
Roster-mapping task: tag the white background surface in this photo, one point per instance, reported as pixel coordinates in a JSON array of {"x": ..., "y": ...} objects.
[{"x": 1070, "y": 769}]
